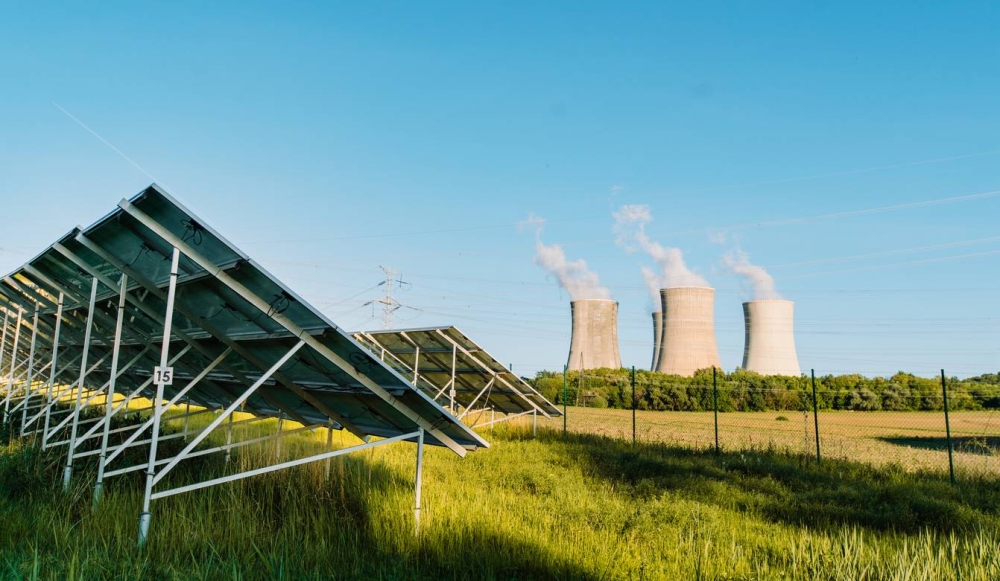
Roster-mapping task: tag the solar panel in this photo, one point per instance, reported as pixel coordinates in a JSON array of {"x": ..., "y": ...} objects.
[
  {"x": 458, "y": 373},
  {"x": 235, "y": 336}
]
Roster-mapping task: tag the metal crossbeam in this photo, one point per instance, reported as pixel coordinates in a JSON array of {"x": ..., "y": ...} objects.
[{"x": 288, "y": 464}]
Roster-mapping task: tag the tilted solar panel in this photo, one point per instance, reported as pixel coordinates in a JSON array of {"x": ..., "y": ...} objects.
[
  {"x": 456, "y": 371},
  {"x": 224, "y": 301}
]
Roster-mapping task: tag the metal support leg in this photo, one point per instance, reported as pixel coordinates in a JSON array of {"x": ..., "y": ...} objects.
[
  {"x": 52, "y": 372},
  {"x": 168, "y": 318},
  {"x": 13, "y": 365},
  {"x": 229, "y": 438},
  {"x": 68, "y": 473},
  {"x": 31, "y": 365},
  {"x": 454, "y": 370},
  {"x": 277, "y": 443},
  {"x": 420, "y": 473},
  {"x": 110, "y": 396},
  {"x": 329, "y": 446},
  {"x": 534, "y": 423},
  {"x": 416, "y": 365},
  {"x": 3, "y": 337},
  {"x": 187, "y": 413}
]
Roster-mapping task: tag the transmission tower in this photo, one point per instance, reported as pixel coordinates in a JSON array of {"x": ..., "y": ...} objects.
[{"x": 389, "y": 303}]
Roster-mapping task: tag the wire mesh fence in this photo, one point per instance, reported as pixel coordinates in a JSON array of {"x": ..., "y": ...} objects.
[{"x": 941, "y": 425}]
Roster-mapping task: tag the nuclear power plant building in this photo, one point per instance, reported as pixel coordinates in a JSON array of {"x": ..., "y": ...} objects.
[
  {"x": 594, "y": 341},
  {"x": 770, "y": 338},
  {"x": 657, "y": 335},
  {"x": 687, "y": 342}
]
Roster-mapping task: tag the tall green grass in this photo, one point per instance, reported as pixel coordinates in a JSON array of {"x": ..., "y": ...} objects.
[{"x": 584, "y": 507}]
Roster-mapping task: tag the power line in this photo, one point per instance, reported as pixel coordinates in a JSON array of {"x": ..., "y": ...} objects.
[
  {"x": 847, "y": 172},
  {"x": 888, "y": 253}
]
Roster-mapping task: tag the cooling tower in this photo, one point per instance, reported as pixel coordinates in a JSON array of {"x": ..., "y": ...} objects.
[
  {"x": 687, "y": 343},
  {"x": 770, "y": 338},
  {"x": 657, "y": 334},
  {"x": 594, "y": 342}
]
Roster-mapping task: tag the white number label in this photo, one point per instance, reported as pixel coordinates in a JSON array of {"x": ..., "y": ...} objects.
[{"x": 164, "y": 375}]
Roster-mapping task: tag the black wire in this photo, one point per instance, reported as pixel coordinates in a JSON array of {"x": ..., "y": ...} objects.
[
  {"x": 193, "y": 232},
  {"x": 142, "y": 250},
  {"x": 279, "y": 304}
]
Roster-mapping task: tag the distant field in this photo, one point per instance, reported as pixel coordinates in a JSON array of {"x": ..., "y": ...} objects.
[{"x": 914, "y": 440}]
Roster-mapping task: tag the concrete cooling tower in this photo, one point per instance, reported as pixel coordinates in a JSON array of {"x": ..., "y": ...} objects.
[
  {"x": 594, "y": 342},
  {"x": 657, "y": 334},
  {"x": 687, "y": 343},
  {"x": 770, "y": 338}
]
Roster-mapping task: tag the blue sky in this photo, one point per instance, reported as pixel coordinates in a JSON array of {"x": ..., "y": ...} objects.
[{"x": 329, "y": 140}]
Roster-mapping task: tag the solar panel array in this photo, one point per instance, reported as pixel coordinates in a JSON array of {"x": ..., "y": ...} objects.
[
  {"x": 457, "y": 372},
  {"x": 226, "y": 307}
]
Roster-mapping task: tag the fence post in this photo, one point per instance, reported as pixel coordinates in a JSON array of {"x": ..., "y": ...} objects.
[
  {"x": 564, "y": 399},
  {"x": 812, "y": 373},
  {"x": 633, "y": 405},
  {"x": 947, "y": 428},
  {"x": 715, "y": 407}
]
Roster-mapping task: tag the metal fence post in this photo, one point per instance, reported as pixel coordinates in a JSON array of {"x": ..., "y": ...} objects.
[
  {"x": 633, "y": 405},
  {"x": 947, "y": 428},
  {"x": 565, "y": 367},
  {"x": 812, "y": 373},
  {"x": 419, "y": 480},
  {"x": 715, "y": 407}
]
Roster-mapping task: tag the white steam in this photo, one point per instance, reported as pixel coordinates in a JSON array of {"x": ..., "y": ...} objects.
[
  {"x": 759, "y": 280},
  {"x": 653, "y": 286},
  {"x": 630, "y": 233},
  {"x": 572, "y": 275}
]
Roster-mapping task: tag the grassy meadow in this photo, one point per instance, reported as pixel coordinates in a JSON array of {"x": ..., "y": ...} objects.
[{"x": 586, "y": 506}]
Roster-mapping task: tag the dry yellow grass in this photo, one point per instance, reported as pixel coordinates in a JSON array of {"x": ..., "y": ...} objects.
[{"x": 915, "y": 440}]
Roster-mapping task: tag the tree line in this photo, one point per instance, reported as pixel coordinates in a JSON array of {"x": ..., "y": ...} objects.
[{"x": 743, "y": 390}]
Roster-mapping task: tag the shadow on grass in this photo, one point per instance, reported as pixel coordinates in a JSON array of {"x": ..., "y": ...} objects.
[
  {"x": 986, "y": 446},
  {"x": 284, "y": 525},
  {"x": 791, "y": 489}
]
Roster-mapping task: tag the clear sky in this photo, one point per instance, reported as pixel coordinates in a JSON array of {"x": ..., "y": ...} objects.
[{"x": 326, "y": 141}]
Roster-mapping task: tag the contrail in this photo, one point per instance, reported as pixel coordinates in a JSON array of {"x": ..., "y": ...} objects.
[{"x": 109, "y": 144}]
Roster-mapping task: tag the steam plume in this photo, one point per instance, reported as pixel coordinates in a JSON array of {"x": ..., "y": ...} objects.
[
  {"x": 653, "y": 286},
  {"x": 630, "y": 232},
  {"x": 572, "y": 275},
  {"x": 759, "y": 280}
]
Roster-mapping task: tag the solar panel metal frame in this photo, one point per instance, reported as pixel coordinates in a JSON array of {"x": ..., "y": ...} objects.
[
  {"x": 440, "y": 359},
  {"x": 233, "y": 325}
]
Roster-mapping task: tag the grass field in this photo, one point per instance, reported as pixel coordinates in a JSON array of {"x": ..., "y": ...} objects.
[
  {"x": 913, "y": 440},
  {"x": 586, "y": 506}
]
